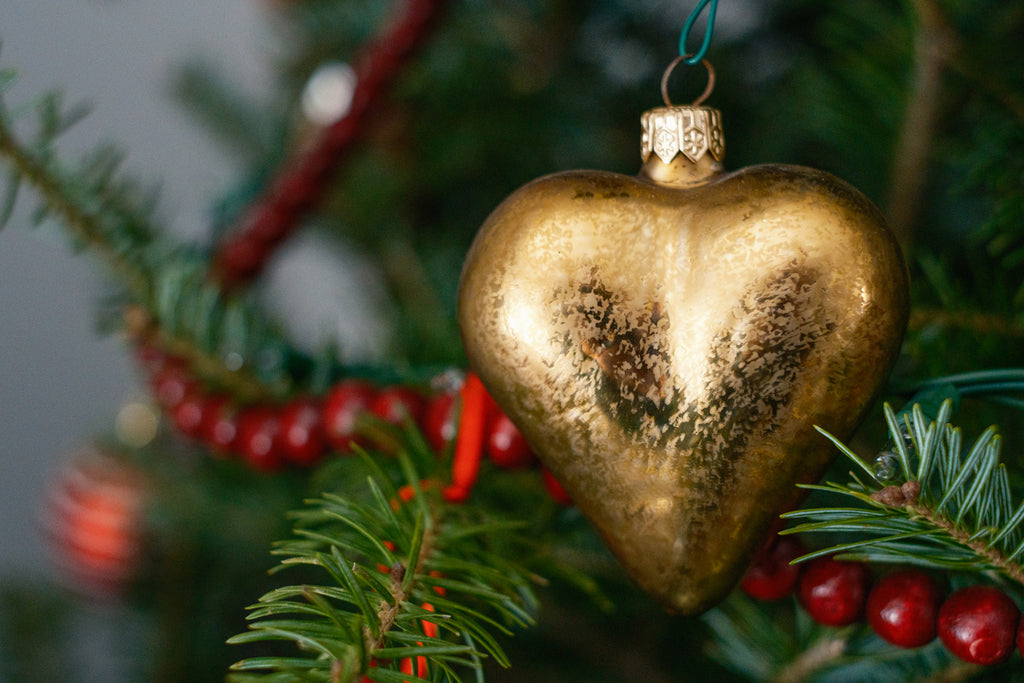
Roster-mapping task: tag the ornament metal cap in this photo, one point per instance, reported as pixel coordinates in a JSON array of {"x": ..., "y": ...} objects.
[{"x": 692, "y": 130}]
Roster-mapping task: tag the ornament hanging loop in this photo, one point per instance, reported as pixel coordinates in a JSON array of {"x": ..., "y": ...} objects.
[{"x": 668, "y": 73}]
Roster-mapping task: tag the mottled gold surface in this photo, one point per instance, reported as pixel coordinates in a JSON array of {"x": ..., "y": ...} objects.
[{"x": 666, "y": 343}]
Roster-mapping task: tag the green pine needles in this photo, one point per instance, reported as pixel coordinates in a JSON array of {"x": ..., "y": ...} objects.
[
  {"x": 930, "y": 502},
  {"x": 407, "y": 587}
]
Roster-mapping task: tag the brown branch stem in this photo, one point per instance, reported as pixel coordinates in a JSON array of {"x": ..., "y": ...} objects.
[
  {"x": 1010, "y": 569},
  {"x": 933, "y": 47},
  {"x": 811, "y": 660},
  {"x": 81, "y": 224}
]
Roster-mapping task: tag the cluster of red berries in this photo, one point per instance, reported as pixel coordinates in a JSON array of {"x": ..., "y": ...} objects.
[
  {"x": 907, "y": 608},
  {"x": 304, "y": 430}
]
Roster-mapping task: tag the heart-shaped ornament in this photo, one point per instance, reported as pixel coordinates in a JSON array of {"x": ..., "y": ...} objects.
[{"x": 667, "y": 343}]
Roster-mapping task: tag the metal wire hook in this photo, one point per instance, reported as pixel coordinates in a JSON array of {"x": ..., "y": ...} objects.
[
  {"x": 668, "y": 72},
  {"x": 697, "y": 56}
]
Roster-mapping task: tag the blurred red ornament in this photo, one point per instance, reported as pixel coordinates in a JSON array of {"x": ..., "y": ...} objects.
[{"x": 93, "y": 518}]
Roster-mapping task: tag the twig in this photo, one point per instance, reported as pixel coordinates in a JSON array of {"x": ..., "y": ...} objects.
[
  {"x": 82, "y": 224},
  {"x": 933, "y": 47},
  {"x": 811, "y": 660}
]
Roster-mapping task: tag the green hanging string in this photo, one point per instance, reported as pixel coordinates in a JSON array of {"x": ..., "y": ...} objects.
[{"x": 699, "y": 55}]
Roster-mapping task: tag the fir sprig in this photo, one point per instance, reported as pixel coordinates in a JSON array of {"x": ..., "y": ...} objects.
[
  {"x": 100, "y": 207},
  {"x": 944, "y": 507},
  {"x": 409, "y": 582}
]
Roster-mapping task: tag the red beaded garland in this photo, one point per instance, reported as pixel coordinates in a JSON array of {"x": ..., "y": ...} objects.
[
  {"x": 188, "y": 414},
  {"x": 832, "y": 592},
  {"x": 302, "y": 437},
  {"x": 219, "y": 426},
  {"x": 978, "y": 624},
  {"x": 397, "y": 404},
  {"x": 258, "y": 438},
  {"x": 342, "y": 408},
  {"x": 903, "y": 607},
  {"x": 440, "y": 420},
  {"x": 303, "y": 179},
  {"x": 505, "y": 445},
  {"x": 772, "y": 577}
]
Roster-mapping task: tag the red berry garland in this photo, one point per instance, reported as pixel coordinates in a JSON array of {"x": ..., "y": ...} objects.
[
  {"x": 302, "y": 181},
  {"x": 505, "y": 444},
  {"x": 903, "y": 607},
  {"x": 978, "y": 624},
  {"x": 834, "y": 592},
  {"x": 440, "y": 420},
  {"x": 259, "y": 438},
  {"x": 341, "y": 410},
  {"x": 302, "y": 434},
  {"x": 397, "y": 404}
]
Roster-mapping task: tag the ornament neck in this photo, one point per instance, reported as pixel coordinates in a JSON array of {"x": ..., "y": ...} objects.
[
  {"x": 680, "y": 172},
  {"x": 681, "y": 146}
]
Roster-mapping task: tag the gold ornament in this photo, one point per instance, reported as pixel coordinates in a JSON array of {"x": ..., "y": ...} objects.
[{"x": 667, "y": 342}]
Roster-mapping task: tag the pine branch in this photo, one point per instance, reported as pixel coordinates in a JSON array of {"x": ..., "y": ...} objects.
[
  {"x": 414, "y": 585},
  {"x": 944, "y": 508},
  {"x": 98, "y": 207}
]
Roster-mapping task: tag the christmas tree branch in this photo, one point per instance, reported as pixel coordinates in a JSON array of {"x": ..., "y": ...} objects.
[
  {"x": 927, "y": 503},
  {"x": 416, "y": 585},
  {"x": 98, "y": 209}
]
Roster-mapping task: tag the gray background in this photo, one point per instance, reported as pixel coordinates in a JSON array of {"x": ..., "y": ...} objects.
[{"x": 59, "y": 381}]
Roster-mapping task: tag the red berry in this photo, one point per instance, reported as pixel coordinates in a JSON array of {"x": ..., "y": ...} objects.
[
  {"x": 151, "y": 358},
  {"x": 903, "y": 607},
  {"x": 219, "y": 426},
  {"x": 772, "y": 577},
  {"x": 554, "y": 488},
  {"x": 188, "y": 414},
  {"x": 978, "y": 623},
  {"x": 171, "y": 385},
  {"x": 440, "y": 420},
  {"x": 396, "y": 404},
  {"x": 258, "y": 439},
  {"x": 832, "y": 592},
  {"x": 505, "y": 444},
  {"x": 302, "y": 437},
  {"x": 342, "y": 408}
]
